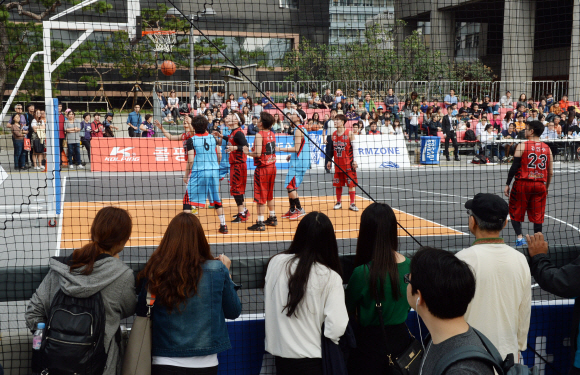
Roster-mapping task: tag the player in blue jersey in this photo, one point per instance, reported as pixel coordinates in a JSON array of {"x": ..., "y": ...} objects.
[
  {"x": 202, "y": 171},
  {"x": 299, "y": 164}
]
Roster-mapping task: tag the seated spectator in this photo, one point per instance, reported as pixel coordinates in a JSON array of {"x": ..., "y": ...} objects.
[
  {"x": 440, "y": 287},
  {"x": 244, "y": 101},
  {"x": 415, "y": 99},
  {"x": 94, "y": 268},
  {"x": 392, "y": 103},
  {"x": 556, "y": 109},
  {"x": 557, "y": 125},
  {"x": 509, "y": 133},
  {"x": 198, "y": 99},
  {"x": 507, "y": 120},
  {"x": 301, "y": 113},
  {"x": 373, "y": 129},
  {"x": 291, "y": 98},
  {"x": 436, "y": 106},
  {"x": 277, "y": 126},
  {"x": 163, "y": 103},
  {"x": 487, "y": 106},
  {"x": 369, "y": 104},
  {"x": 339, "y": 109},
  {"x": 356, "y": 128},
  {"x": 378, "y": 279},
  {"x": 487, "y": 139},
  {"x": 551, "y": 133},
  {"x": 533, "y": 115},
  {"x": 314, "y": 100},
  {"x": 475, "y": 101},
  {"x": 530, "y": 103},
  {"x": 434, "y": 125},
  {"x": 398, "y": 128},
  {"x": 316, "y": 120},
  {"x": 450, "y": 99},
  {"x": 288, "y": 110},
  {"x": 496, "y": 122},
  {"x": 358, "y": 98},
  {"x": 327, "y": 100},
  {"x": 253, "y": 126},
  {"x": 228, "y": 109},
  {"x": 461, "y": 126},
  {"x": 560, "y": 281},
  {"x": 351, "y": 113},
  {"x": 257, "y": 109},
  {"x": 424, "y": 105},
  {"x": 387, "y": 128},
  {"x": 267, "y": 101},
  {"x": 452, "y": 110},
  {"x": 361, "y": 108},
  {"x": 217, "y": 98},
  {"x": 246, "y": 114},
  {"x": 466, "y": 106},
  {"x": 381, "y": 117},
  {"x": 475, "y": 112},
  {"x": 365, "y": 119},
  {"x": 500, "y": 313},
  {"x": 233, "y": 102},
  {"x": 522, "y": 101},
  {"x": 549, "y": 99},
  {"x": 520, "y": 124},
  {"x": 564, "y": 103},
  {"x": 302, "y": 290},
  {"x": 339, "y": 98},
  {"x": 173, "y": 106},
  {"x": 506, "y": 101},
  {"x": 194, "y": 295},
  {"x": 147, "y": 128},
  {"x": 543, "y": 107}
]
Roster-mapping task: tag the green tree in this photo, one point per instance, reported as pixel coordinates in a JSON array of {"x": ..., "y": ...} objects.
[{"x": 19, "y": 40}]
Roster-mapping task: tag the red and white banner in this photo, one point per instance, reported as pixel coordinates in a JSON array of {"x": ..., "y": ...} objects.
[{"x": 136, "y": 155}]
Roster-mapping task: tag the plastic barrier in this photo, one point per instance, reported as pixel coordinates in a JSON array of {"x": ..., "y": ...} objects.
[{"x": 430, "y": 150}]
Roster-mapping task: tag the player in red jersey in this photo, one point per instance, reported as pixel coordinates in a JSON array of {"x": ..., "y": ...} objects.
[
  {"x": 238, "y": 167},
  {"x": 533, "y": 171},
  {"x": 264, "y": 154},
  {"x": 183, "y": 138},
  {"x": 343, "y": 153}
]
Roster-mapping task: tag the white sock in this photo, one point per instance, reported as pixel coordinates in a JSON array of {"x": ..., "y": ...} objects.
[
  {"x": 222, "y": 219},
  {"x": 242, "y": 211},
  {"x": 272, "y": 213},
  {"x": 260, "y": 218}
]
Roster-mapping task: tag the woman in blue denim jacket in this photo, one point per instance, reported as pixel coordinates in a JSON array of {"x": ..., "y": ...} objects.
[{"x": 194, "y": 296}]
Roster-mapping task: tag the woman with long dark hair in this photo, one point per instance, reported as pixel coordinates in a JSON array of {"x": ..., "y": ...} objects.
[
  {"x": 303, "y": 290},
  {"x": 194, "y": 295},
  {"x": 94, "y": 268},
  {"x": 378, "y": 279}
]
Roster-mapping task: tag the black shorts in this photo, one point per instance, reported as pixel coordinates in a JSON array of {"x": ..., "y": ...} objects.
[{"x": 37, "y": 146}]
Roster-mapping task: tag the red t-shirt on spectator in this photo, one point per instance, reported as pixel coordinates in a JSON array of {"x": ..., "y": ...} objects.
[{"x": 61, "y": 133}]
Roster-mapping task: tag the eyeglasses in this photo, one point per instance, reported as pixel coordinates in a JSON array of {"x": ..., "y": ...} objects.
[{"x": 407, "y": 278}]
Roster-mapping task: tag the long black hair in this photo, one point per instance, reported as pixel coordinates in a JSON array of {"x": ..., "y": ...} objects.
[
  {"x": 378, "y": 242},
  {"x": 314, "y": 242}
]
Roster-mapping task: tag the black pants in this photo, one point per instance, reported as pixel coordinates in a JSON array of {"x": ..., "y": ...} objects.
[
  {"x": 87, "y": 144},
  {"x": 175, "y": 114},
  {"x": 328, "y": 147},
  {"x": 370, "y": 356},
  {"x": 301, "y": 366},
  {"x": 453, "y": 137},
  {"x": 174, "y": 370}
]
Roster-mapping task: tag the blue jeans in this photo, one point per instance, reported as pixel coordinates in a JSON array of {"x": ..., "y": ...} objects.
[
  {"x": 74, "y": 153},
  {"x": 19, "y": 155},
  {"x": 413, "y": 129},
  {"x": 495, "y": 150},
  {"x": 492, "y": 108}
]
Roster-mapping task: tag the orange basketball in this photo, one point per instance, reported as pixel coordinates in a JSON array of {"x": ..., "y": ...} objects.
[{"x": 168, "y": 67}]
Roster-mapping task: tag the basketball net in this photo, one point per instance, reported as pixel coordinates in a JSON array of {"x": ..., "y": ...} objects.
[{"x": 164, "y": 40}]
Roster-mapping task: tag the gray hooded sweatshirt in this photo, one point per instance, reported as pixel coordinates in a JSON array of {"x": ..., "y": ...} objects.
[{"x": 110, "y": 276}]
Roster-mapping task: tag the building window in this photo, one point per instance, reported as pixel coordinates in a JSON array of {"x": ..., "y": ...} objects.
[
  {"x": 289, "y": 4},
  {"x": 468, "y": 41},
  {"x": 475, "y": 40}
]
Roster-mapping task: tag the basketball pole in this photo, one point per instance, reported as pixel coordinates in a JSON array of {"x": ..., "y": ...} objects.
[
  {"x": 52, "y": 124},
  {"x": 191, "y": 62}
]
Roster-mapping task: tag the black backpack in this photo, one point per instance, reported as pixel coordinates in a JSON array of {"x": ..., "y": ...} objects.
[
  {"x": 74, "y": 340},
  {"x": 489, "y": 355},
  {"x": 469, "y": 135}
]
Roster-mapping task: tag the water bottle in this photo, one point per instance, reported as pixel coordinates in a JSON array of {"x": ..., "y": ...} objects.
[
  {"x": 37, "y": 338},
  {"x": 574, "y": 135}
]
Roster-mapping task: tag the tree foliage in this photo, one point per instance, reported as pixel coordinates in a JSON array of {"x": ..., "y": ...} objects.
[{"x": 372, "y": 59}]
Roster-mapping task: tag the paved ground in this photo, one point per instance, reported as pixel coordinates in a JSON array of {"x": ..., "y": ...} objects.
[{"x": 432, "y": 193}]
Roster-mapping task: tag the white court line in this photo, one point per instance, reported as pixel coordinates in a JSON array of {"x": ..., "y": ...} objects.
[
  {"x": 420, "y": 191},
  {"x": 429, "y": 221},
  {"x": 563, "y": 222},
  {"x": 421, "y": 200},
  {"x": 59, "y": 233}
]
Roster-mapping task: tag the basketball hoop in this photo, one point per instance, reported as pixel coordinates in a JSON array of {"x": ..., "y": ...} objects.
[{"x": 164, "y": 39}]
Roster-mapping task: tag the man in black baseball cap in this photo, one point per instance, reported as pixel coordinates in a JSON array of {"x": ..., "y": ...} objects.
[{"x": 502, "y": 304}]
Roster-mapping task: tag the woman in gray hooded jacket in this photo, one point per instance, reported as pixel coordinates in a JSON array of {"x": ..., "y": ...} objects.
[{"x": 94, "y": 268}]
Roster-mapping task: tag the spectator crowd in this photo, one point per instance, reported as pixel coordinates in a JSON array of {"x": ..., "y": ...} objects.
[
  {"x": 456, "y": 120},
  {"x": 479, "y": 298}
]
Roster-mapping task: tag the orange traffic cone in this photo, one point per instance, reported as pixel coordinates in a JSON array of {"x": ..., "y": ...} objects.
[{"x": 64, "y": 159}]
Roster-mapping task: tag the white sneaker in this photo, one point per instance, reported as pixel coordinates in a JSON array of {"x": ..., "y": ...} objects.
[
  {"x": 338, "y": 206},
  {"x": 80, "y": 166},
  {"x": 71, "y": 167},
  {"x": 353, "y": 207}
]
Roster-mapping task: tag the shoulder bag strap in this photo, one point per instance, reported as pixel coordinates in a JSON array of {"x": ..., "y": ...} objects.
[
  {"x": 150, "y": 301},
  {"x": 464, "y": 353}
]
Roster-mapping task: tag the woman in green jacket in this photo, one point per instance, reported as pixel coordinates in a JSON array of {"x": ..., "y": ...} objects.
[{"x": 378, "y": 279}]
